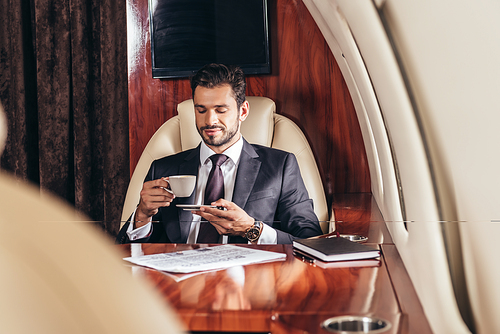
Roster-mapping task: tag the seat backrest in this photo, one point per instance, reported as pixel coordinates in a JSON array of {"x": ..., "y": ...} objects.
[
  {"x": 262, "y": 126},
  {"x": 60, "y": 274}
]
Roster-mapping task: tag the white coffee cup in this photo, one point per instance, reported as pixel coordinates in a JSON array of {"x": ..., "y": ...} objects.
[{"x": 182, "y": 185}]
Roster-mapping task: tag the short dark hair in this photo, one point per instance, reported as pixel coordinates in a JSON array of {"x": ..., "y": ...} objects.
[{"x": 216, "y": 75}]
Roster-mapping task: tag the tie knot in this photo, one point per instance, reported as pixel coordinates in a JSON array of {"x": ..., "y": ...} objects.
[{"x": 218, "y": 159}]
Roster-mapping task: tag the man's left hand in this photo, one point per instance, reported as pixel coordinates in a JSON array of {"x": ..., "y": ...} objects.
[{"x": 231, "y": 221}]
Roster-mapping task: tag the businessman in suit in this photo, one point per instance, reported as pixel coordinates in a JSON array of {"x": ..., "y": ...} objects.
[{"x": 263, "y": 199}]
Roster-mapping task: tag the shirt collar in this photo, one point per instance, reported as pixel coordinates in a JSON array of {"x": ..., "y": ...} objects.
[{"x": 233, "y": 152}]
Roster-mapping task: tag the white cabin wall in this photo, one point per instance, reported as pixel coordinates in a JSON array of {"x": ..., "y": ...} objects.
[
  {"x": 395, "y": 139},
  {"x": 451, "y": 52},
  {"x": 383, "y": 173}
]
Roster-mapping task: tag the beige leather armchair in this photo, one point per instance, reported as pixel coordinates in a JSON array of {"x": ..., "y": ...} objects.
[
  {"x": 60, "y": 274},
  {"x": 263, "y": 126}
]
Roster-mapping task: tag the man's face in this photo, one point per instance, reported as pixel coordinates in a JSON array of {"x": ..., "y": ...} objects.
[{"x": 218, "y": 119}]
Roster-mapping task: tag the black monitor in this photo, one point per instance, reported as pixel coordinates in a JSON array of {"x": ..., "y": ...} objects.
[{"x": 188, "y": 34}]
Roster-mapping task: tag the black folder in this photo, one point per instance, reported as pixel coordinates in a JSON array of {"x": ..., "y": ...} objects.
[{"x": 335, "y": 249}]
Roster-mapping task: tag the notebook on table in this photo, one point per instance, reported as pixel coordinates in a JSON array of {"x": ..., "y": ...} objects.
[{"x": 335, "y": 249}]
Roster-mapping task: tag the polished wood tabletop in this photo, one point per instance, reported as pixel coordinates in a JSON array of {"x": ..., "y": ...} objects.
[
  {"x": 291, "y": 295},
  {"x": 282, "y": 296}
]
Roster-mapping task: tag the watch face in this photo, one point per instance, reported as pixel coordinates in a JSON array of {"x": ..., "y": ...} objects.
[{"x": 253, "y": 234}]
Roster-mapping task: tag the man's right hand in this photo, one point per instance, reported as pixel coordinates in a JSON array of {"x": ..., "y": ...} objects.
[{"x": 154, "y": 195}]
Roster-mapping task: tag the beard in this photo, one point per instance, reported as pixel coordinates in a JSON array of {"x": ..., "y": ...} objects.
[{"x": 227, "y": 134}]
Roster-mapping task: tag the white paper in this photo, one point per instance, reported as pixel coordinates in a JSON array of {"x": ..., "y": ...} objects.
[{"x": 202, "y": 259}]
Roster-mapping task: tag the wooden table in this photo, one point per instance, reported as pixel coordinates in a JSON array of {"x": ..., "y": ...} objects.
[
  {"x": 288, "y": 296},
  {"x": 291, "y": 296}
]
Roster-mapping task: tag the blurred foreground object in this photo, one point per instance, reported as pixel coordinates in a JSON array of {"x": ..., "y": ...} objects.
[{"x": 61, "y": 275}]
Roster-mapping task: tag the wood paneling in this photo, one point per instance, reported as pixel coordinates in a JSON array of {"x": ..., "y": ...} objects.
[
  {"x": 359, "y": 214},
  {"x": 305, "y": 83}
]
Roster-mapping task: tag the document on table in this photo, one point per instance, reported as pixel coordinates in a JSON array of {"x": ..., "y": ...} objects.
[{"x": 202, "y": 259}]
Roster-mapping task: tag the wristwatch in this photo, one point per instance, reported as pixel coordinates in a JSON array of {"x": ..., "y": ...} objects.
[{"x": 253, "y": 233}]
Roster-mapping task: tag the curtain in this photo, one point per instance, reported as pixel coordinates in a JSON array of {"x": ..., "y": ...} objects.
[{"x": 63, "y": 85}]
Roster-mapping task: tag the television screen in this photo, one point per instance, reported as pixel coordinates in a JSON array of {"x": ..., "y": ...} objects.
[{"x": 187, "y": 34}]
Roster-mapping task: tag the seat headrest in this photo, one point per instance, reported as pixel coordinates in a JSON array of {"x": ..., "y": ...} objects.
[{"x": 258, "y": 128}]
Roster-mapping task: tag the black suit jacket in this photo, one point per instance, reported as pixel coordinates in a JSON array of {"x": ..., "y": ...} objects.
[{"x": 268, "y": 187}]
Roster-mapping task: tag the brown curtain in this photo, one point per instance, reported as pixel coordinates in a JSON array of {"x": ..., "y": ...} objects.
[{"x": 63, "y": 85}]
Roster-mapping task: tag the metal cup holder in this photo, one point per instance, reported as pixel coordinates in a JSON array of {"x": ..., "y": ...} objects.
[{"x": 353, "y": 324}]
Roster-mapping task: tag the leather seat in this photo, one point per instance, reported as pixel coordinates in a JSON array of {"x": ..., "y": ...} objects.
[
  {"x": 60, "y": 274},
  {"x": 263, "y": 126}
]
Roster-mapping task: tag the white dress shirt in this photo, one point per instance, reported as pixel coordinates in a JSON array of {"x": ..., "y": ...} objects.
[{"x": 229, "y": 169}]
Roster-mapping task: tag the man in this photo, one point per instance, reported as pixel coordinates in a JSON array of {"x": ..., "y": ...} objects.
[{"x": 263, "y": 199}]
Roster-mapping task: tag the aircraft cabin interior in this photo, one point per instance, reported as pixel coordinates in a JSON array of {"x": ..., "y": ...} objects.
[{"x": 390, "y": 108}]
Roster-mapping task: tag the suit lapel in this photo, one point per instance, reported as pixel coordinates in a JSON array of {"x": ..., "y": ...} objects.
[
  {"x": 248, "y": 169},
  {"x": 188, "y": 167}
]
